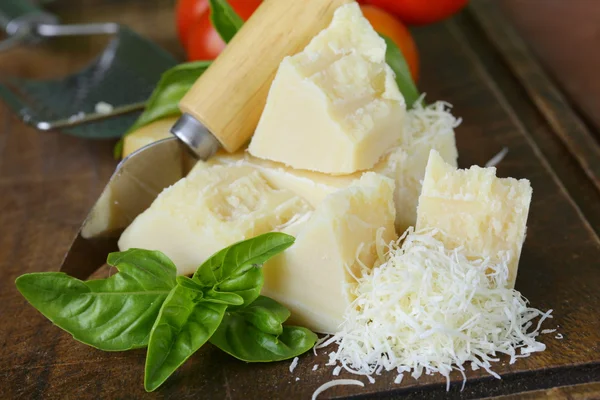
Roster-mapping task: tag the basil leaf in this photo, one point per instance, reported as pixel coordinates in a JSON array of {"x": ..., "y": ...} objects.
[
  {"x": 190, "y": 284},
  {"x": 266, "y": 314},
  {"x": 230, "y": 299},
  {"x": 245, "y": 255},
  {"x": 164, "y": 101},
  {"x": 248, "y": 334},
  {"x": 395, "y": 59},
  {"x": 184, "y": 324},
  {"x": 113, "y": 314},
  {"x": 234, "y": 269},
  {"x": 225, "y": 20}
]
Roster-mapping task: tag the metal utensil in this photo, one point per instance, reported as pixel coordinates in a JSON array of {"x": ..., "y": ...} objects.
[
  {"x": 122, "y": 76},
  {"x": 221, "y": 110}
]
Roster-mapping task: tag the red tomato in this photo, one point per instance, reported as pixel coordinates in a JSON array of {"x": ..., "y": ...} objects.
[
  {"x": 420, "y": 12},
  {"x": 186, "y": 12},
  {"x": 388, "y": 25},
  {"x": 203, "y": 42}
]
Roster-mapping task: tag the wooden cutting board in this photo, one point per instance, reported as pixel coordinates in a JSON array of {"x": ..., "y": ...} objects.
[{"x": 48, "y": 182}]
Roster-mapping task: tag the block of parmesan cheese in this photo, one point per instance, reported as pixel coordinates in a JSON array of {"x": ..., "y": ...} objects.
[
  {"x": 334, "y": 107},
  {"x": 475, "y": 209},
  {"x": 212, "y": 208},
  {"x": 314, "y": 278}
]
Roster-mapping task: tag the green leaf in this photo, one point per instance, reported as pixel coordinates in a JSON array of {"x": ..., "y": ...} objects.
[
  {"x": 190, "y": 284},
  {"x": 113, "y": 314},
  {"x": 225, "y": 20},
  {"x": 395, "y": 59},
  {"x": 266, "y": 314},
  {"x": 164, "y": 101},
  {"x": 234, "y": 269},
  {"x": 183, "y": 325},
  {"x": 249, "y": 334},
  {"x": 230, "y": 299}
]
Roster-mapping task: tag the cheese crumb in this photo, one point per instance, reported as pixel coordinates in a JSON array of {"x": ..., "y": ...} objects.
[
  {"x": 315, "y": 367},
  {"x": 294, "y": 364},
  {"x": 546, "y": 331},
  {"x": 558, "y": 336},
  {"x": 103, "y": 107},
  {"x": 433, "y": 310},
  {"x": 319, "y": 341},
  {"x": 76, "y": 117}
]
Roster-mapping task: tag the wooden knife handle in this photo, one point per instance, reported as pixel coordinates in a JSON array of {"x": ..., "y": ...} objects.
[{"x": 230, "y": 96}]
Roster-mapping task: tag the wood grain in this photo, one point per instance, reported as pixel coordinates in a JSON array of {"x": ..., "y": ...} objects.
[
  {"x": 565, "y": 36},
  {"x": 585, "y": 391},
  {"x": 48, "y": 182},
  {"x": 548, "y": 99}
]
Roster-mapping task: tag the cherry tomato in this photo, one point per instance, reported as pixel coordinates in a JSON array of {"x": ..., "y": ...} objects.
[
  {"x": 186, "y": 12},
  {"x": 420, "y": 12},
  {"x": 203, "y": 41},
  {"x": 388, "y": 25}
]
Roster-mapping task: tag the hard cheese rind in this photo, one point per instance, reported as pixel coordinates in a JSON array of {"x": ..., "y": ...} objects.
[
  {"x": 315, "y": 277},
  {"x": 475, "y": 209},
  {"x": 335, "y": 107},
  {"x": 212, "y": 208}
]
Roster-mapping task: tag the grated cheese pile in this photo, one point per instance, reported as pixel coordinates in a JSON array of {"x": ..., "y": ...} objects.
[{"x": 429, "y": 309}]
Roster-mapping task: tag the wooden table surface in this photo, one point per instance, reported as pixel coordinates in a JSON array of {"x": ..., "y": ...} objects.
[{"x": 48, "y": 182}]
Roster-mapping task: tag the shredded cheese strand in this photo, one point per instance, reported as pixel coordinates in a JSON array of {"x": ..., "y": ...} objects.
[
  {"x": 294, "y": 364},
  {"x": 335, "y": 382},
  {"x": 497, "y": 158}
]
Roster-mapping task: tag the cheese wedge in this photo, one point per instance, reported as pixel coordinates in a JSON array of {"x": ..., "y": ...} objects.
[
  {"x": 208, "y": 210},
  {"x": 335, "y": 107},
  {"x": 314, "y": 278},
  {"x": 475, "y": 209}
]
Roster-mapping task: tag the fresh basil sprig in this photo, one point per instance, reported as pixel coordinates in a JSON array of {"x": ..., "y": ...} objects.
[
  {"x": 146, "y": 304},
  {"x": 111, "y": 314},
  {"x": 256, "y": 333}
]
